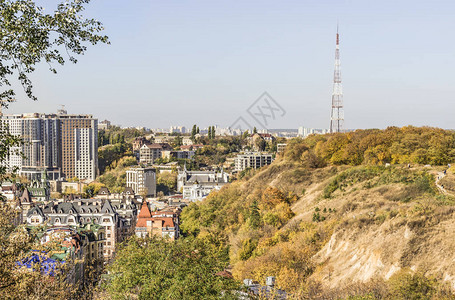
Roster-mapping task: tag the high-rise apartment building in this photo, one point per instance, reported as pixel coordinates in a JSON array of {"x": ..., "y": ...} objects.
[
  {"x": 62, "y": 145},
  {"x": 79, "y": 145},
  {"x": 39, "y": 150}
]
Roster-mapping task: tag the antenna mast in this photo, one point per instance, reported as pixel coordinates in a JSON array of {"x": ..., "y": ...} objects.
[{"x": 337, "y": 115}]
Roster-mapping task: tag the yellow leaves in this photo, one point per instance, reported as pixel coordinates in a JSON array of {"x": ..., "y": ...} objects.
[{"x": 288, "y": 279}]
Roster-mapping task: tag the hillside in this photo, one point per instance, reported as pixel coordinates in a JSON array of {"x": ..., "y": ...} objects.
[{"x": 330, "y": 220}]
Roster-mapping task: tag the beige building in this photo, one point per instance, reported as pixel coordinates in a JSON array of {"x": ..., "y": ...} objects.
[
  {"x": 151, "y": 152},
  {"x": 79, "y": 146}
]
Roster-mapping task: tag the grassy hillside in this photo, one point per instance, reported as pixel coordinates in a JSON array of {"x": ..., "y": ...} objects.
[{"x": 330, "y": 220}]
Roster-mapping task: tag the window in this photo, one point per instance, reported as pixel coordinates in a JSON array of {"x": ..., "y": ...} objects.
[
  {"x": 108, "y": 243},
  {"x": 108, "y": 227}
]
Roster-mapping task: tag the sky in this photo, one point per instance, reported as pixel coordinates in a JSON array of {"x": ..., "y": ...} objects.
[{"x": 206, "y": 62}]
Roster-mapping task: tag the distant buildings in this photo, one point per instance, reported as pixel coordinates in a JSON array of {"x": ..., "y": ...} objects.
[
  {"x": 280, "y": 148},
  {"x": 177, "y": 129},
  {"x": 252, "y": 160},
  {"x": 139, "y": 142},
  {"x": 142, "y": 180},
  {"x": 196, "y": 185},
  {"x": 187, "y": 141},
  {"x": 193, "y": 147},
  {"x": 151, "y": 152},
  {"x": 304, "y": 132},
  {"x": 178, "y": 154},
  {"x": 104, "y": 125},
  {"x": 63, "y": 145}
]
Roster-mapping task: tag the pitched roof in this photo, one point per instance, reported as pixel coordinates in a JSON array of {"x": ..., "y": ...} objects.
[
  {"x": 103, "y": 191},
  {"x": 165, "y": 221},
  {"x": 26, "y": 198},
  {"x": 36, "y": 209},
  {"x": 107, "y": 207},
  {"x": 128, "y": 191},
  {"x": 158, "y": 146},
  {"x": 145, "y": 211}
]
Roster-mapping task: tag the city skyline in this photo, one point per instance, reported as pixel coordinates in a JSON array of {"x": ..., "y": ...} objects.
[{"x": 165, "y": 66}]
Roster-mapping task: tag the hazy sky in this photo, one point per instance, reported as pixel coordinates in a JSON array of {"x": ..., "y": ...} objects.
[{"x": 184, "y": 62}]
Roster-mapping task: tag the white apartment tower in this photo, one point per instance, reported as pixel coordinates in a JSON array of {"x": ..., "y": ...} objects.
[
  {"x": 142, "y": 180},
  {"x": 85, "y": 148}
]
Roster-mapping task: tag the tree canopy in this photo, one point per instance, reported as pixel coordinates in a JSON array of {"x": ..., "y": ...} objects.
[
  {"x": 154, "y": 268},
  {"x": 29, "y": 36}
]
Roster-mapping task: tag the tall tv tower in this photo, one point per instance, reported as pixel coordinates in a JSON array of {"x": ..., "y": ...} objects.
[{"x": 337, "y": 115}]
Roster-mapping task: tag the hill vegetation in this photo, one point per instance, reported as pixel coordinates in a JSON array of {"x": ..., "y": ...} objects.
[{"x": 330, "y": 220}]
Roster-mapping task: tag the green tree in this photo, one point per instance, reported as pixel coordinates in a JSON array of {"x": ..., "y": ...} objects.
[
  {"x": 255, "y": 216},
  {"x": 193, "y": 133},
  {"x": 255, "y": 130},
  {"x": 245, "y": 135},
  {"x": 154, "y": 268},
  {"x": 30, "y": 36}
]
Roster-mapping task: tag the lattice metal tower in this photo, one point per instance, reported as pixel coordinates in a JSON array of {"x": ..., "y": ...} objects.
[{"x": 337, "y": 115}]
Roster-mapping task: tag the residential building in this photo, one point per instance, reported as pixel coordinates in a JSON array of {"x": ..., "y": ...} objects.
[
  {"x": 280, "y": 148},
  {"x": 160, "y": 223},
  {"x": 142, "y": 180},
  {"x": 151, "y": 152},
  {"x": 252, "y": 160},
  {"x": 79, "y": 146},
  {"x": 178, "y": 154},
  {"x": 117, "y": 220},
  {"x": 192, "y": 147},
  {"x": 196, "y": 185},
  {"x": 163, "y": 139},
  {"x": 139, "y": 142},
  {"x": 62, "y": 145},
  {"x": 40, "y": 148},
  {"x": 187, "y": 141},
  {"x": 104, "y": 125}
]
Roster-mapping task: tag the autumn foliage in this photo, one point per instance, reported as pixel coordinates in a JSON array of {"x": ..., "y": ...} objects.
[{"x": 406, "y": 145}]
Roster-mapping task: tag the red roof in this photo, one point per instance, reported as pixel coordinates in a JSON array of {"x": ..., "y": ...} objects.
[
  {"x": 144, "y": 215},
  {"x": 166, "y": 222},
  {"x": 145, "y": 211}
]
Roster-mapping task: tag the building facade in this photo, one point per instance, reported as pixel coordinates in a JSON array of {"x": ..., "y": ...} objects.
[
  {"x": 117, "y": 219},
  {"x": 142, "y": 180},
  {"x": 79, "y": 146},
  {"x": 151, "y": 152},
  {"x": 196, "y": 185},
  {"x": 163, "y": 223},
  {"x": 62, "y": 145},
  {"x": 252, "y": 160}
]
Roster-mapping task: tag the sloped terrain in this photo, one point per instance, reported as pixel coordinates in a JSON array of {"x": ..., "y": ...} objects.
[{"x": 321, "y": 227}]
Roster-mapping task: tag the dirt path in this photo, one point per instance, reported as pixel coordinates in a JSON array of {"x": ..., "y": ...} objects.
[{"x": 439, "y": 176}]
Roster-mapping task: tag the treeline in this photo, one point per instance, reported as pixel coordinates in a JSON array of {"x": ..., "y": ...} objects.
[
  {"x": 406, "y": 145},
  {"x": 115, "y": 135}
]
